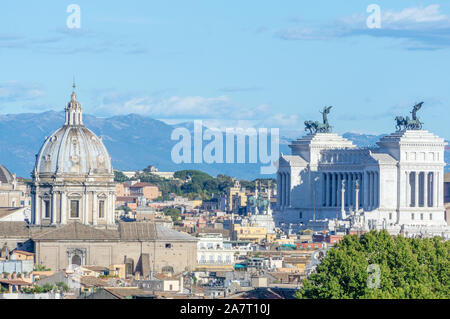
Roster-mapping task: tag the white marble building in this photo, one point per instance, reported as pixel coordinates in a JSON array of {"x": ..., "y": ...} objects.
[
  {"x": 213, "y": 250},
  {"x": 73, "y": 180},
  {"x": 400, "y": 182}
]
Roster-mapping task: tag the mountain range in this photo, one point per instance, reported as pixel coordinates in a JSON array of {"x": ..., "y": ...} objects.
[{"x": 133, "y": 141}]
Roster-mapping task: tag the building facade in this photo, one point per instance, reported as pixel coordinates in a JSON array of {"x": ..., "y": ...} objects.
[
  {"x": 13, "y": 192},
  {"x": 396, "y": 185},
  {"x": 214, "y": 251}
]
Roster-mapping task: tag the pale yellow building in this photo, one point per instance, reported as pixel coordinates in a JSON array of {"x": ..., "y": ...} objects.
[
  {"x": 236, "y": 197},
  {"x": 13, "y": 193},
  {"x": 253, "y": 234}
]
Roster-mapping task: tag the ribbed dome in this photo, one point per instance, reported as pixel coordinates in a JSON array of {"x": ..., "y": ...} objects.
[
  {"x": 5, "y": 175},
  {"x": 73, "y": 149}
]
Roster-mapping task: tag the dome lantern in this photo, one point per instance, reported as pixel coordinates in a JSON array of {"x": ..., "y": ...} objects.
[{"x": 74, "y": 111}]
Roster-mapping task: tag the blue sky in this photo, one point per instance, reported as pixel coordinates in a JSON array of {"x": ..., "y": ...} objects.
[{"x": 231, "y": 63}]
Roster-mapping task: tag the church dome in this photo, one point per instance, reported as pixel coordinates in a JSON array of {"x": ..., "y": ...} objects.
[
  {"x": 5, "y": 176},
  {"x": 73, "y": 149}
]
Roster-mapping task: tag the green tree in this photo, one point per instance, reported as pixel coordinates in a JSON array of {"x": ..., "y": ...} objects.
[
  {"x": 120, "y": 177},
  {"x": 62, "y": 286},
  {"x": 408, "y": 268},
  {"x": 174, "y": 213}
]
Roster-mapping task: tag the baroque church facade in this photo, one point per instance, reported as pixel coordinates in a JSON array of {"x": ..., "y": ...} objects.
[{"x": 396, "y": 185}]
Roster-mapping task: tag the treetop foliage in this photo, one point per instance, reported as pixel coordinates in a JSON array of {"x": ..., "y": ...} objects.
[{"x": 410, "y": 268}]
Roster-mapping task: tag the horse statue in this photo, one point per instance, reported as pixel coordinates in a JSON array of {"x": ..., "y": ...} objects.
[
  {"x": 401, "y": 123},
  {"x": 311, "y": 126},
  {"x": 316, "y": 126},
  {"x": 407, "y": 123}
]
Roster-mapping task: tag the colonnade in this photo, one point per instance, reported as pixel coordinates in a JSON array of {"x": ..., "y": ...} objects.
[
  {"x": 284, "y": 187},
  {"x": 368, "y": 184},
  {"x": 422, "y": 188}
]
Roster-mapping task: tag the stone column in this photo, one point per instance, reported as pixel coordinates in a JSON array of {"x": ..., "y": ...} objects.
[
  {"x": 377, "y": 189},
  {"x": 425, "y": 189},
  {"x": 369, "y": 190},
  {"x": 333, "y": 190},
  {"x": 435, "y": 189},
  {"x": 53, "y": 208},
  {"x": 408, "y": 190},
  {"x": 37, "y": 207},
  {"x": 111, "y": 208},
  {"x": 94, "y": 208},
  {"x": 289, "y": 189},
  {"x": 440, "y": 188},
  {"x": 63, "y": 208},
  {"x": 364, "y": 190},
  {"x": 285, "y": 190},
  {"x": 352, "y": 189},
  {"x": 416, "y": 189},
  {"x": 279, "y": 189},
  {"x": 324, "y": 190},
  {"x": 85, "y": 209},
  {"x": 327, "y": 193},
  {"x": 373, "y": 189},
  {"x": 339, "y": 195},
  {"x": 343, "y": 198}
]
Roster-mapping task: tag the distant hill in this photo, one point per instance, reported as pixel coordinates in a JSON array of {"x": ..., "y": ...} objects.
[{"x": 133, "y": 141}]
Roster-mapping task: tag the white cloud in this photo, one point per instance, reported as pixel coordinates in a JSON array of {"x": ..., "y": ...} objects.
[
  {"x": 423, "y": 28},
  {"x": 218, "y": 112},
  {"x": 12, "y": 91}
]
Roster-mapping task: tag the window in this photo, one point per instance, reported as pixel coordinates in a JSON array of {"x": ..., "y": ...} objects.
[
  {"x": 421, "y": 216},
  {"x": 74, "y": 209},
  {"x": 168, "y": 245},
  {"x": 390, "y": 215},
  {"x": 46, "y": 209},
  {"x": 412, "y": 216},
  {"x": 101, "y": 209},
  {"x": 431, "y": 216}
]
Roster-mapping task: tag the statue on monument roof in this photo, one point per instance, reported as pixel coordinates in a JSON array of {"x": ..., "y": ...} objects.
[
  {"x": 407, "y": 123},
  {"x": 317, "y": 127}
]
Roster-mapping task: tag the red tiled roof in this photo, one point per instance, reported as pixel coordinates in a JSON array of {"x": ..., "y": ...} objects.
[{"x": 15, "y": 282}]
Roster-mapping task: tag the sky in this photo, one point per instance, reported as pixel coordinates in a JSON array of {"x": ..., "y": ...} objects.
[{"x": 231, "y": 63}]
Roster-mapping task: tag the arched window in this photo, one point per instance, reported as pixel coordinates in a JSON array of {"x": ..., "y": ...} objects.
[{"x": 76, "y": 260}]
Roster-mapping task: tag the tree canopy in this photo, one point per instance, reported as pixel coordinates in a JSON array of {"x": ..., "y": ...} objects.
[
  {"x": 409, "y": 268},
  {"x": 189, "y": 183}
]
